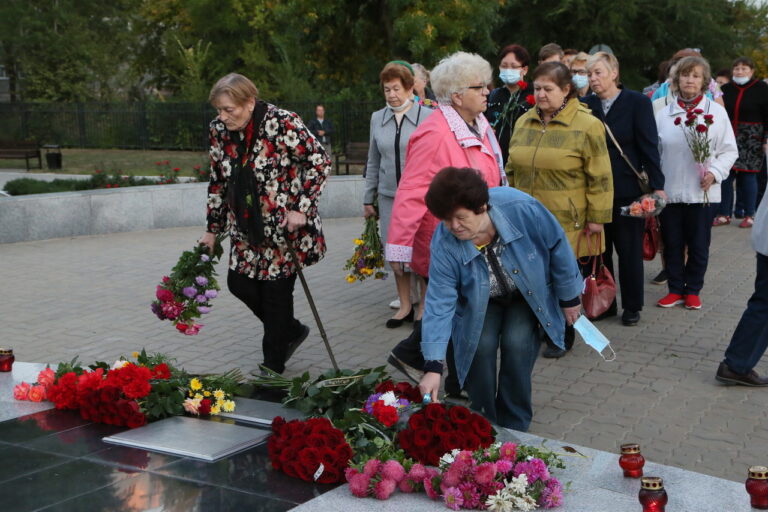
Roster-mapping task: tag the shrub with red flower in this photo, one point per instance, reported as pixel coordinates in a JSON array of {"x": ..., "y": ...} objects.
[
  {"x": 313, "y": 450},
  {"x": 438, "y": 429}
]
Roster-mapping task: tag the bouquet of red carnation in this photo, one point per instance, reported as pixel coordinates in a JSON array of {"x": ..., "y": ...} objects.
[
  {"x": 313, "y": 450},
  {"x": 437, "y": 429},
  {"x": 186, "y": 294}
]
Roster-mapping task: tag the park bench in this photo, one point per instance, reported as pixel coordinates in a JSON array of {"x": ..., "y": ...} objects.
[
  {"x": 355, "y": 153},
  {"x": 18, "y": 150}
]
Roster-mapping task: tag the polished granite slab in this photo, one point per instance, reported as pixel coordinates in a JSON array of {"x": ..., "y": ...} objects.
[
  {"x": 260, "y": 412},
  {"x": 596, "y": 485},
  {"x": 194, "y": 438},
  {"x": 11, "y": 408}
]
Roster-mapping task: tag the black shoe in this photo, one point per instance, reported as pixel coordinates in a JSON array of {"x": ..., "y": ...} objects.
[
  {"x": 661, "y": 278},
  {"x": 630, "y": 317},
  {"x": 725, "y": 374},
  {"x": 397, "y": 322},
  {"x": 553, "y": 352},
  {"x": 413, "y": 374},
  {"x": 293, "y": 345}
]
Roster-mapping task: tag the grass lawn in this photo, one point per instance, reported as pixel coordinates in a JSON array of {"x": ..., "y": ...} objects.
[{"x": 123, "y": 161}]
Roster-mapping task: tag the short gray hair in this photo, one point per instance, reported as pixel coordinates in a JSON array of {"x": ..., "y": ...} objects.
[
  {"x": 420, "y": 71},
  {"x": 688, "y": 64},
  {"x": 458, "y": 71}
]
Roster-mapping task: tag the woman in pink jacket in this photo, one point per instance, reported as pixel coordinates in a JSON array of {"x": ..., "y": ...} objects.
[{"x": 458, "y": 135}]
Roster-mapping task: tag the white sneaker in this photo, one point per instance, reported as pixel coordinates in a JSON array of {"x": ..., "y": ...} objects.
[{"x": 395, "y": 304}]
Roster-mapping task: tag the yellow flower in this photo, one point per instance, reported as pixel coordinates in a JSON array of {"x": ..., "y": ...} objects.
[
  {"x": 198, "y": 396},
  {"x": 358, "y": 241},
  {"x": 206, "y": 393},
  {"x": 228, "y": 406},
  {"x": 218, "y": 394},
  {"x": 135, "y": 355},
  {"x": 351, "y": 278},
  {"x": 195, "y": 384},
  {"x": 215, "y": 409}
]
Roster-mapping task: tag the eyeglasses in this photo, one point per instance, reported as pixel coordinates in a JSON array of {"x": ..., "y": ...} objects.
[
  {"x": 510, "y": 67},
  {"x": 582, "y": 72}
]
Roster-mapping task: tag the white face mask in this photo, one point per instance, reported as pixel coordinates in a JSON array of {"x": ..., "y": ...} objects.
[
  {"x": 405, "y": 105},
  {"x": 741, "y": 80}
]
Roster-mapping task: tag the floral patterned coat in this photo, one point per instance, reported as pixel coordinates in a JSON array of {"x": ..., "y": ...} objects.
[{"x": 290, "y": 168}]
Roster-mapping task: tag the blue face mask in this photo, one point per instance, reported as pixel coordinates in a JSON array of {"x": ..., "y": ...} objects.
[
  {"x": 509, "y": 76},
  {"x": 580, "y": 81},
  {"x": 593, "y": 337}
]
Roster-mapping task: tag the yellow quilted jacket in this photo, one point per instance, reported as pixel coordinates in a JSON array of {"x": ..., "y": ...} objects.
[{"x": 565, "y": 165}]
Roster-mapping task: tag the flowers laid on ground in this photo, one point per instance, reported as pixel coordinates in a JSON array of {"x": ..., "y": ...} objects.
[
  {"x": 211, "y": 394},
  {"x": 696, "y": 130},
  {"x": 129, "y": 393},
  {"x": 313, "y": 450},
  {"x": 368, "y": 258},
  {"x": 438, "y": 429},
  {"x": 648, "y": 205},
  {"x": 186, "y": 294}
]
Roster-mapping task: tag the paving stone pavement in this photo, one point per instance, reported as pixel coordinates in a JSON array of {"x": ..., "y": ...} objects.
[{"x": 89, "y": 297}]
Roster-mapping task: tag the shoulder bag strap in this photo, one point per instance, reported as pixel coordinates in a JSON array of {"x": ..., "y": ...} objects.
[{"x": 621, "y": 152}]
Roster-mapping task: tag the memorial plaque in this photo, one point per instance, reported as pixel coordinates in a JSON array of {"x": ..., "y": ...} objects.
[
  {"x": 260, "y": 412},
  {"x": 191, "y": 437}
]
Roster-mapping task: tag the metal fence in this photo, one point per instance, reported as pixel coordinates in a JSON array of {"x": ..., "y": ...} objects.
[{"x": 152, "y": 125}]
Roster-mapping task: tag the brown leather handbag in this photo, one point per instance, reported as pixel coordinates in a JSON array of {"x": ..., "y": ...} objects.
[{"x": 599, "y": 287}]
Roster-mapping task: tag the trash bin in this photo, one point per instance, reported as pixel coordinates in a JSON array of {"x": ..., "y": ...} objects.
[{"x": 53, "y": 156}]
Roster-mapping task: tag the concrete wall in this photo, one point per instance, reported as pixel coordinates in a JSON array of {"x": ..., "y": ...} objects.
[{"x": 95, "y": 212}]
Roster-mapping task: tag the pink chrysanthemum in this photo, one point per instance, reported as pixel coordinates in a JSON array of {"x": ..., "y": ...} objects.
[
  {"x": 503, "y": 466},
  {"x": 418, "y": 472},
  {"x": 393, "y": 470},
  {"x": 470, "y": 494},
  {"x": 430, "y": 489},
  {"x": 453, "y": 498},
  {"x": 358, "y": 485},
  {"x": 384, "y": 489},
  {"x": 371, "y": 467},
  {"x": 452, "y": 477},
  {"x": 536, "y": 469},
  {"x": 406, "y": 485},
  {"x": 551, "y": 498},
  {"x": 508, "y": 451},
  {"x": 485, "y": 473},
  {"x": 350, "y": 472}
]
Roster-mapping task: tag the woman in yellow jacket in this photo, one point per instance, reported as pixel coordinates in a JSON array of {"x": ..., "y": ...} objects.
[{"x": 558, "y": 155}]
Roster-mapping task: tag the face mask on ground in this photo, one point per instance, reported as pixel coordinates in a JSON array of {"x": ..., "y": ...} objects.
[
  {"x": 509, "y": 76},
  {"x": 580, "y": 81},
  {"x": 740, "y": 80}
]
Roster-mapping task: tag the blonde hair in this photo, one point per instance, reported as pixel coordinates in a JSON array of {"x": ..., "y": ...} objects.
[
  {"x": 580, "y": 57},
  {"x": 236, "y": 86},
  {"x": 610, "y": 61},
  {"x": 456, "y": 72}
]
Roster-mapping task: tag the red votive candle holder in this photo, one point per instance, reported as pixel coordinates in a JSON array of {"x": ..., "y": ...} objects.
[
  {"x": 6, "y": 359},
  {"x": 652, "y": 495},
  {"x": 757, "y": 487},
  {"x": 631, "y": 460}
]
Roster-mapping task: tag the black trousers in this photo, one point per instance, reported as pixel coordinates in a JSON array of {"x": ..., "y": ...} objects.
[
  {"x": 272, "y": 303},
  {"x": 625, "y": 236},
  {"x": 687, "y": 225}
]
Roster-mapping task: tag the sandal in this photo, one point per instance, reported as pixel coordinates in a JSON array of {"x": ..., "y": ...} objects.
[{"x": 721, "y": 220}]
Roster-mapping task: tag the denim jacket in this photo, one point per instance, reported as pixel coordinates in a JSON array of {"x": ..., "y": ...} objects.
[{"x": 535, "y": 252}]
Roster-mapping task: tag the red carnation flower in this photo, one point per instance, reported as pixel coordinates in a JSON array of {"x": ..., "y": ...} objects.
[
  {"x": 701, "y": 128},
  {"x": 678, "y": 120},
  {"x": 530, "y": 99},
  {"x": 386, "y": 414},
  {"x": 522, "y": 84},
  {"x": 698, "y": 111},
  {"x": 161, "y": 371}
]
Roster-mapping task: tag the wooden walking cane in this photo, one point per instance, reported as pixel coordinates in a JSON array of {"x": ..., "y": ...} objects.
[{"x": 311, "y": 303}]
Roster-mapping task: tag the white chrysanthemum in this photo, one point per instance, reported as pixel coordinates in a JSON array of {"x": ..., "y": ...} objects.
[
  {"x": 119, "y": 364},
  {"x": 499, "y": 502},
  {"x": 447, "y": 459},
  {"x": 518, "y": 484},
  {"x": 524, "y": 503},
  {"x": 389, "y": 398}
]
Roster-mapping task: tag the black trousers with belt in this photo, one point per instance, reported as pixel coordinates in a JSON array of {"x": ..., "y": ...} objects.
[
  {"x": 625, "y": 236},
  {"x": 272, "y": 303}
]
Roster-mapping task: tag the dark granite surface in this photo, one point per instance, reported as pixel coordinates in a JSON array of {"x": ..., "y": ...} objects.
[{"x": 54, "y": 461}]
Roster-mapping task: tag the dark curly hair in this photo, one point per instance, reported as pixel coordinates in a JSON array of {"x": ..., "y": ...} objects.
[{"x": 453, "y": 188}]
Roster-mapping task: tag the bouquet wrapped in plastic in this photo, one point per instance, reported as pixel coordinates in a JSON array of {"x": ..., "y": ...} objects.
[
  {"x": 368, "y": 258},
  {"x": 648, "y": 205}
]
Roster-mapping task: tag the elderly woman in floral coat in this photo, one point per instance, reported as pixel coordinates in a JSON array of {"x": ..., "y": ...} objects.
[{"x": 267, "y": 172}]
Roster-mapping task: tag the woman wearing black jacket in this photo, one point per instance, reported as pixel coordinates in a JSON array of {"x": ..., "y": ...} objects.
[{"x": 629, "y": 117}]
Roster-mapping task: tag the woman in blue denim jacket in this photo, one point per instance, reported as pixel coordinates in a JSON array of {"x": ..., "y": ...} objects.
[{"x": 501, "y": 267}]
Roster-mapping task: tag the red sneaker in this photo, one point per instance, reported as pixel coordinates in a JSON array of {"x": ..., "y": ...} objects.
[
  {"x": 747, "y": 222},
  {"x": 692, "y": 302},
  {"x": 671, "y": 300}
]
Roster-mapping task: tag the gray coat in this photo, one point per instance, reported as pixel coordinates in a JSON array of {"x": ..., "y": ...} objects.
[{"x": 382, "y": 154}]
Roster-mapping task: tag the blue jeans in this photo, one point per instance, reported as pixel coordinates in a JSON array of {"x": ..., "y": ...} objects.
[
  {"x": 686, "y": 225},
  {"x": 750, "y": 339},
  {"x": 746, "y": 194},
  {"x": 511, "y": 328}
]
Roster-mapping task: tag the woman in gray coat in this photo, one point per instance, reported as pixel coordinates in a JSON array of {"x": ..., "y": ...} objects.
[{"x": 391, "y": 127}]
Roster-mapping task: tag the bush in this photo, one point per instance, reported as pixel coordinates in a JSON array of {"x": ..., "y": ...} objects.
[{"x": 26, "y": 186}]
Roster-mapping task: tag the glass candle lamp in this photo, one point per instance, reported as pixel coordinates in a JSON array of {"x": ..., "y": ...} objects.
[
  {"x": 757, "y": 487},
  {"x": 631, "y": 460},
  {"x": 652, "y": 495},
  {"x": 6, "y": 359}
]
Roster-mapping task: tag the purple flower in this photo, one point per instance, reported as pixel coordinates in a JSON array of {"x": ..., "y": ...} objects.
[
  {"x": 536, "y": 469},
  {"x": 189, "y": 291},
  {"x": 403, "y": 403},
  {"x": 201, "y": 298},
  {"x": 453, "y": 498},
  {"x": 157, "y": 310},
  {"x": 371, "y": 400},
  {"x": 552, "y": 495},
  {"x": 205, "y": 257},
  {"x": 201, "y": 280},
  {"x": 211, "y": 294},
  {"x": 203, "y": 309}
]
